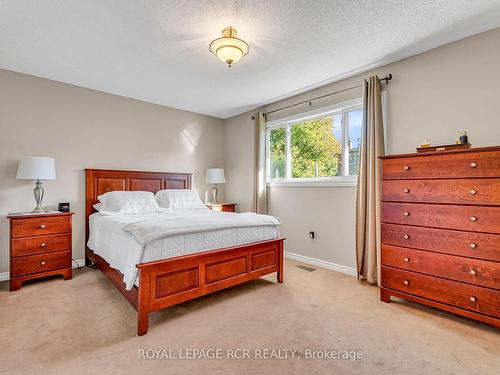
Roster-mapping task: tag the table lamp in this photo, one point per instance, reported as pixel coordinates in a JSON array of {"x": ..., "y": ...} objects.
[
  {"x": 37, "y": 168},
  {"x": 215, "y": 176}
]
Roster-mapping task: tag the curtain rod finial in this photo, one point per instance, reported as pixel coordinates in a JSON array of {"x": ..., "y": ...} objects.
[{"x": 253, "y": 117}]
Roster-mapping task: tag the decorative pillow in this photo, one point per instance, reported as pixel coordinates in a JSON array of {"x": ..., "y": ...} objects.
[
  {"x": 129, "y": 202},
  {"x": 179, "y": 199},
  {"x": 98, "y": 207}
]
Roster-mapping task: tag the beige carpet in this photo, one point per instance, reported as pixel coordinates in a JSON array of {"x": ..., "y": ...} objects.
[{"x": 84, "y": 326}]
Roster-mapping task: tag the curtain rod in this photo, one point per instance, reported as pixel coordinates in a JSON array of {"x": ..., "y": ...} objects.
[{"x": 387, "y": 78}]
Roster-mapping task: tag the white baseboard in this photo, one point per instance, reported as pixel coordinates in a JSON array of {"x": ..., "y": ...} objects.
[
  {"x": 321, "y": 263},
  {"x": 5, "y": 275}
]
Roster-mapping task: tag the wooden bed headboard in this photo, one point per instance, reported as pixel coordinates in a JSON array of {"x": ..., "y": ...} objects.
[{"x": 100, "y": 181}]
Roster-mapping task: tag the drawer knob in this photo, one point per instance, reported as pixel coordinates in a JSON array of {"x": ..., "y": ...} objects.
[
  {"x": 473, "y": 272},
  {"x": 406, "y": 259},
  {"x": 42, "y": 263},
  {"x": 473, "y": 192},
  {"x": 406, "y": 236},
  {"x": 42, "y": 226},
  {"x": 406, "y": 213},
  {"x": 473, "y": 165},
  {"x": 473, "y": 245},
  {"x": 43, "y": 244},
  {"x": 406, "y": 190},
  {"x": 473, "y": 299},
  {"x": 473, "y": 218},
  {"x": 406, "y": 282},
  {"x": 406, "y": 167}
]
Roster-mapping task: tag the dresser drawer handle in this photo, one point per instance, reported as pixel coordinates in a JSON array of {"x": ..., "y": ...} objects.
[
  {"x": 406, "y": 213},
  {"x": 473, "y": 192},
  {"x": 43, "y": 244},
  {"x": 42, "y": 226},
  {"x": 406, "y": 236},
  {"x": 406, "y": 259},
  {"x": 42, "y": 263},
  {"x": 406, "y": 282},
  {"x": 473, "y": 299},
  {"x": 406, "y": 190},
  {"x": 406, "y": 167},
  {"x": 473, "y": 218},
  {"x": 473, "y": 245},
  {"x": 473, "y": 272},
  {"x": 473, "y": 165}
]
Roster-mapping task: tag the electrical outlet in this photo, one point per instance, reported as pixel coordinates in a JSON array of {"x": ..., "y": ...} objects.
[{"x": 312, "y": 235}]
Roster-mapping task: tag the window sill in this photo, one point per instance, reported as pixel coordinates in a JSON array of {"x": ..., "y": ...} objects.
[{"x": 345, "y": 181}]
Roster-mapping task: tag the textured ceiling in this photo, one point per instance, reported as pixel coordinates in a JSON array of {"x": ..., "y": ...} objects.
[{"x": 157, "y": 51}]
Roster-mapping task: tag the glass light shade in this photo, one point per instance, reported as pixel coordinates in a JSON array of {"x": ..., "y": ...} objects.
[
  {"x": 229, "y": 48},
  {"x": 36, "y": 168},
  {"x": 215, "y": 176}
]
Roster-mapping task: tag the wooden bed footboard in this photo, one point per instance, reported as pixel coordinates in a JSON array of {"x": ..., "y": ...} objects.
[
  {"x": 169, "y": 282},
  {"x": 172, "y": 281}
]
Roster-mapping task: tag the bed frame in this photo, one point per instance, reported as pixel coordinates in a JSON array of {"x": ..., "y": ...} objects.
[{"x": 171, "y": 281}]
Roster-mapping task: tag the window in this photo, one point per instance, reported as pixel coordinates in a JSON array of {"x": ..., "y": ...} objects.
[{"x": 319, "y": 147}]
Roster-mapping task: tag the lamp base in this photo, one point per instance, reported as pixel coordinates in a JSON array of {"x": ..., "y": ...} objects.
[
  {"x": 38, "y": 192},
  {"x": 214, "y": 193}
]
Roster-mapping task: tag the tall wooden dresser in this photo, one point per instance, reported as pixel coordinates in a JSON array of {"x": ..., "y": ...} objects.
[{"x": 441, "y": 231}]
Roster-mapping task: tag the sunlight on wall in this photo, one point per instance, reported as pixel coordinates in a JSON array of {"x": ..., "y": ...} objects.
[{"x": 190, "y": 137}]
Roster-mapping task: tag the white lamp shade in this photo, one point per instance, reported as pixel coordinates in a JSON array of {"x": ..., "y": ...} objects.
[
  {"x": 215, "y": 176},
  {"x": 36, "y": 168}
]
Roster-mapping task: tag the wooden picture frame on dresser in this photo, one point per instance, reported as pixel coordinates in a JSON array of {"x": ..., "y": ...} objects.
[
  {"x": 440, "y": 230},
  {"x": 40, "y": 246}
]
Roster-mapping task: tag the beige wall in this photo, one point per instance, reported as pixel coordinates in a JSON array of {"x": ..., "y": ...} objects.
[
  {"x": 437, "y": 94},
  {"x": 83, "y": 128}
]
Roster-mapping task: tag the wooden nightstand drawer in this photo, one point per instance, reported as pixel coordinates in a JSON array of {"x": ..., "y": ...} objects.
[
  {"x": 40, "y": 263},
  {"x": 40, "y": 225},
  {"x": 40, "y": 244},
  {"x": 224, "y": 207}
]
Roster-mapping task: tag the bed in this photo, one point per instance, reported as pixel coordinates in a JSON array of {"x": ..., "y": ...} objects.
[{"x": 168, "y": 273}]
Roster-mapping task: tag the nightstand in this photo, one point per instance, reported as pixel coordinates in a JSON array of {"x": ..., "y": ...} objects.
[
  {"x": 40, "y": 246},
  {"x": 226, "y": 207}
]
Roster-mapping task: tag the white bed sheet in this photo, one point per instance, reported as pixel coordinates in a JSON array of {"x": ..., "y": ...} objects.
[{"x": 108, "y": 240}]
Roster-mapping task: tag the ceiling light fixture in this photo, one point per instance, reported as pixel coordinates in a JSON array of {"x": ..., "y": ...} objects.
[{"x": 229, "y": 48}]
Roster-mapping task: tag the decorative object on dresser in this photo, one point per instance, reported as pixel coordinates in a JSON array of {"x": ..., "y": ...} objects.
[
  {"x": 225, "y": 207},
  {"x": 215, "y": 176},
  {"x": 63, "y": 207},
  {"x": 441, "y": 231},
  {"x": 40, "y": 246},
  {"x": 37, "y": 168}
]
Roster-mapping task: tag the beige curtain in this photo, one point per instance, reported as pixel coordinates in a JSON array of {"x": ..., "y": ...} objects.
[
  {"x": 260, "y": 164},
  {"x": 368, "y": 194}
]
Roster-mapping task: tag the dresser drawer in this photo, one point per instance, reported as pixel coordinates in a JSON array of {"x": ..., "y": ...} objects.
[
  {"x": 452, "y": 165},
  {"x": 472, "y": 271},
  {"x": 37, "y": 226},
  {"x": 484, "y": 191},
  {"x": 40, "y": 244},
  {"x": 41, "y": 263},
  {"x": 467, "y": 244},
  {"x": 474, "y": 298},
  {"x": 470, "y": 218}
]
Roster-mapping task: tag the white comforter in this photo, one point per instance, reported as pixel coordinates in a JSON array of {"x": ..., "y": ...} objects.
[
  {"x": 178, "y": 222},
  {"x": 126, "y": 240}
]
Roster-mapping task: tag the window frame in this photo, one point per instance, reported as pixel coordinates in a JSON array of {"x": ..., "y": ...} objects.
[{"x": 288, "y": 122}]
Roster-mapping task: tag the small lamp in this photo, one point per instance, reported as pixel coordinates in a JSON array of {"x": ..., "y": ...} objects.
[
  {"x": 37, "y": 168},
  {"x": 215, "y": 176}
]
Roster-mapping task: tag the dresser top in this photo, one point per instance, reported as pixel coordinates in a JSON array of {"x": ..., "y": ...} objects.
[
  {"x": 462, "y": 151},
  {"x": 26, "y": 215}
]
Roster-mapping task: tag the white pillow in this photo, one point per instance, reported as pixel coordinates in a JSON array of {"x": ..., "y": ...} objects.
[
  {"x": 179, "y": 199},
  {"x": 129, "y": 202}
]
